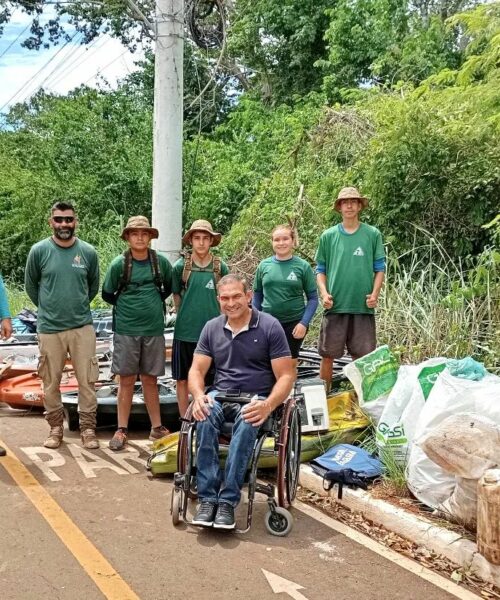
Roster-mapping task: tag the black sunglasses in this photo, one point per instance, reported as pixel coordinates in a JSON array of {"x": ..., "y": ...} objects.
[{"x": 63, "y": 219}]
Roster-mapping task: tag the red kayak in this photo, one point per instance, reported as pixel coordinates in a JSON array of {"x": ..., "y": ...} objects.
[{"x": 27, "y": 390}]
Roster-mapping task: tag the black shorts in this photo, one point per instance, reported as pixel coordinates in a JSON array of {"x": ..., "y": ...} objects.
[
  {"x": 182, "y": 359},
  {"x": 294, "y": 344},
  {"x": 341, "y": 330}
]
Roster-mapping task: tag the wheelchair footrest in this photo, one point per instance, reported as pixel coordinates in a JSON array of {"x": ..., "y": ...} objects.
[{"x": 265, "y": 488}]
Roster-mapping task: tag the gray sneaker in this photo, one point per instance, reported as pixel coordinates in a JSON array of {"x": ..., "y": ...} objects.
[
  {"x": 55, "y": 437},
  {"x": 224, "y": 518},
  {"x": 89, "y": 439}
]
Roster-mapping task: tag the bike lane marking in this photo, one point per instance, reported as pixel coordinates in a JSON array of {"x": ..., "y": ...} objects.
[
  {"x": 93, "y": 562},
  {"x": 398, "y": 559}
]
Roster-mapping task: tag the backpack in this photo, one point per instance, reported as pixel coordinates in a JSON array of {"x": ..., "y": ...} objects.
[
  {"x": 189, "y": 268},
  {"x": 163, "y": 289},
  {"x": 349, "y": 465}
]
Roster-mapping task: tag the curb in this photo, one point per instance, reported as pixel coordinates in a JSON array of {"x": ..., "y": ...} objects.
[{"x": 415, "y": 528}]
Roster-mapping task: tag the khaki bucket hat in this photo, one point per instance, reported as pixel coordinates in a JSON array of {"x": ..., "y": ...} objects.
[
  {"x": 139, "y": 222},
  {"x": 350, "y": 193},
  {"x": 202, "y": 225}
]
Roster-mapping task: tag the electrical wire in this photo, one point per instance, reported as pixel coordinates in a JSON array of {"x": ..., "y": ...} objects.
[
  {"x": 33, "y": 77},
  {"x": 99, "y": 71},
  {"x": 12, "y": 43}
]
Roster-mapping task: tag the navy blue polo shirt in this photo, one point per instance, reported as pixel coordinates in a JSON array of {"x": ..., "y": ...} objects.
[{"x": 243, "y": 362}]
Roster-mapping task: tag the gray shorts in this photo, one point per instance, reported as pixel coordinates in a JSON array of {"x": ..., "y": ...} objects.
[
  {"x": 138, "y": 355},
  {"x": 338, "y": 331}
]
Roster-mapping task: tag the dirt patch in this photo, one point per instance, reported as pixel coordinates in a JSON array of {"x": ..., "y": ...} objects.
[
  {"x": 385, "y": 490},
  {"x": 427, "y": 558}
]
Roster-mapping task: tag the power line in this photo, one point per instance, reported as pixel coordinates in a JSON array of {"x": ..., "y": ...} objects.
[
  {"x": 12, "y": 43},
  {"x": 72, "y": 51},
  {"x": 38, "y": 72},
  {"x": 99, "y": 71},
  {"x": 86, "y": 55}
]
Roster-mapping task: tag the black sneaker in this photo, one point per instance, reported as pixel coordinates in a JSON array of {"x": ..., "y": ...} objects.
[
  {"x": 205, "y": 514},
  {"x": 3, "y": 451},
  {"x": 224, "y": 519}
]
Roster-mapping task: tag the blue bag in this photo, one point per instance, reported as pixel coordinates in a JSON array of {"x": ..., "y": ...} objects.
[{"x": 345, "y": 464}]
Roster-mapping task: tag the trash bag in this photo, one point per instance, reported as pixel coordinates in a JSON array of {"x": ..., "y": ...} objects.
[
  {"x": 373, "y": 377},
  {"x": 396, "y": 427},
  {"x": 429, "y": 482}
]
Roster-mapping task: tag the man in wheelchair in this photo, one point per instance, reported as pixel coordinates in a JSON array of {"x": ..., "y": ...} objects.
[{"x": 254, "y": 374}]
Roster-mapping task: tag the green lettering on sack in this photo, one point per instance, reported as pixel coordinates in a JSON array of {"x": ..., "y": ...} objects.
[
  {"x": 379, "y": 371},
  {"x": 427, "y": 378}
]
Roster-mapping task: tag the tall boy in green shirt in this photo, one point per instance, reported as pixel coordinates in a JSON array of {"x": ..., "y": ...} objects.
[
  {"x": 194, "y": 286},
  {"x": 350, "y": 273}
]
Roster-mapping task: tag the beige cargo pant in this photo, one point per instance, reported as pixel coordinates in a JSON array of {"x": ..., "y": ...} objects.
[{"x": 54, "y": 348}]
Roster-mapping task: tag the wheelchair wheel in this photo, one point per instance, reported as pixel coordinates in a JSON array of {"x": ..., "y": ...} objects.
[
  {"x": 175, "y": 507},
  {"x": 288, "y": 455},
  {"x": 279, "y": 521}
]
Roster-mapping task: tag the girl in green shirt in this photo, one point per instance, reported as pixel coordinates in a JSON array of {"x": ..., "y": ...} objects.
[{"x": 285, "y": 287}]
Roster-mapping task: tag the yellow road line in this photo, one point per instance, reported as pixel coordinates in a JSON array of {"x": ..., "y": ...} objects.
[
  {"x": 96, "y": 566},
  {"x": 400, "y": 560}
]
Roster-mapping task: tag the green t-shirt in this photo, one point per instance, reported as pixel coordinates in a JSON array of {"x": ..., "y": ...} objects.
[
  {"x": 199, "y": 300},
  {"x": 61, "y": 282},
  {"x": 139, "y": 308},
  {"x": 283, "y": 284},
  {"x": 349, "y": 259}
]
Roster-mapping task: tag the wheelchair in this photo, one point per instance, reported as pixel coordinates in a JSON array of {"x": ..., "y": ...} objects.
[{"x": 284, "y": 427}]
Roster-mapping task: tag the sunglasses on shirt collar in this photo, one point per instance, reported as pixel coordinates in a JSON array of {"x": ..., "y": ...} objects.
[{"x": 63, "y": 219}]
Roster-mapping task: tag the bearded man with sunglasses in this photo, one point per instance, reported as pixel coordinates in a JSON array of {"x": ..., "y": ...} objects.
[{"x": 62, "y": 278}]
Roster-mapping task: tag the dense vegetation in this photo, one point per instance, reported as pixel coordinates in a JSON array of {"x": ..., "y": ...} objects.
[{"x": 401, "y": 99}]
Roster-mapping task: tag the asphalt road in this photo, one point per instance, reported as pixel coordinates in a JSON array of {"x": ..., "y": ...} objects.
[{"x": 101, "y": 512}]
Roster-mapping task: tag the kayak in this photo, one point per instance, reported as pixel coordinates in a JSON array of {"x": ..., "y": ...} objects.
[
  {"x": 107, "y": 407},
  {"x": 27, "y": 390}
]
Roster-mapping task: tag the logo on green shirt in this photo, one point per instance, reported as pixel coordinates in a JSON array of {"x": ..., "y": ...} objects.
[
  {"x": 358, "y": 252},
  {"x": 210, "y": 285},
  {"x": 77, "y": 262},
  {"x": 292, "y": 276}
]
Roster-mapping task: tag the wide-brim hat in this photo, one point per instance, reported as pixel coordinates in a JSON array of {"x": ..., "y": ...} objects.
[
  {"x": 139, "y": 222},
  {"x": 350, "y": 193},
  {"x": 202, "y": 225}
]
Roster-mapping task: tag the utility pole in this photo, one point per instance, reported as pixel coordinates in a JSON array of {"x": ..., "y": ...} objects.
[{"x": 168, "y": 131}]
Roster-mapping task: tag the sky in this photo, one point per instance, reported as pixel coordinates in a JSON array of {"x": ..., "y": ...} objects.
[{"x": 23, "y": 72}]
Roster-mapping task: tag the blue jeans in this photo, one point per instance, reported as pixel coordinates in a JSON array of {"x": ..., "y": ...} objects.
[{"x": 212, "y": 487}]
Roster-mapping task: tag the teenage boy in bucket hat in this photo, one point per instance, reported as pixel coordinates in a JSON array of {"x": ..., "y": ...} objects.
[
  {"x": 137, "y": 284},
  {"x": 350, "y": 273},
  {"x": 194, "y": 286}
]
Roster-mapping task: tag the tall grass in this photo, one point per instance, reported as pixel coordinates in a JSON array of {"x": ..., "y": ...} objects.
[{"x": 432, "y": 306}]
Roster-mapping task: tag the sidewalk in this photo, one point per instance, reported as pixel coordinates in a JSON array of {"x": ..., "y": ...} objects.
[{"x": 415, "y": 528}]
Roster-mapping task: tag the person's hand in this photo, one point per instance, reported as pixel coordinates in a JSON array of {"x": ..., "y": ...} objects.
[
  {"x": 6, "y": 329},
  {"x": 299, "y": 331},
  {"x": 256, "y": 412},
  {"x": 201, "y": 407},
  {"x": 371, "y": 300},
  {"x": 327, "y": 301}
]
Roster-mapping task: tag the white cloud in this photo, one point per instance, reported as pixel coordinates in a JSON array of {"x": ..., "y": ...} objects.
[{"x": 23, "y": 72}]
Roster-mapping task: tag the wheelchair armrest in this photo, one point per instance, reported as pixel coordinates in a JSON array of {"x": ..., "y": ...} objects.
[{"x": 240, "y": 398}]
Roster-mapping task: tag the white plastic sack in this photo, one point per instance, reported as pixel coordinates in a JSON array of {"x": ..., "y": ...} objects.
[
  {"x": 465, "y": 445},
  {"x": 461, "y": 506},
  {"x": 396, "y": 426},
  {"x": 373, "y": 377},
  {"x": 450, "y": 395}
]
